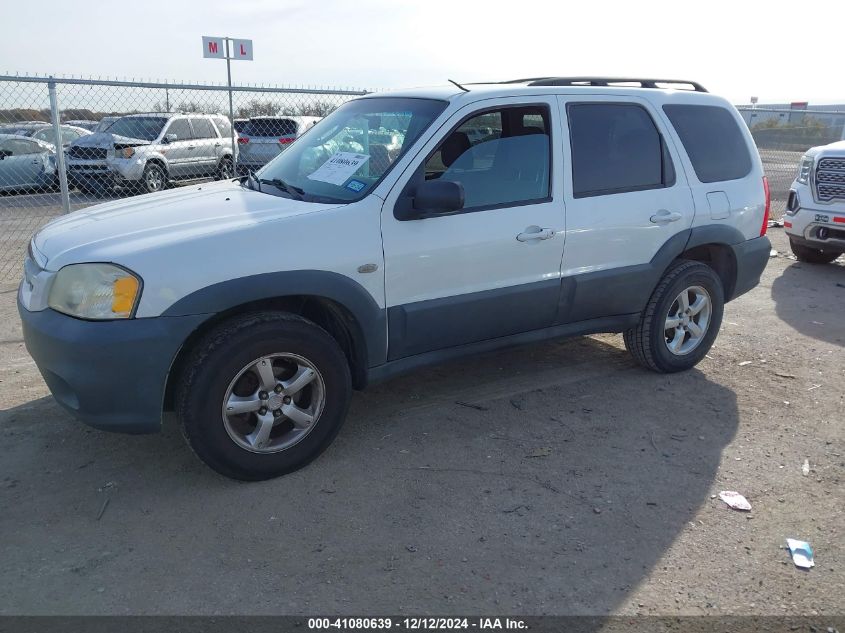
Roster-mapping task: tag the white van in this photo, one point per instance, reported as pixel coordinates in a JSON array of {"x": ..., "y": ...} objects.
[{"x": 253, "y": 307}]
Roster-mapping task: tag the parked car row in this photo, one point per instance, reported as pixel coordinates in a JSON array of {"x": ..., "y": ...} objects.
[{"x": 142, "y": 153}]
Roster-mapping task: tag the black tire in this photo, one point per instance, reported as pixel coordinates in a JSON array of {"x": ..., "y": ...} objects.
[
  {"x": 647, "y": 341},
  {"x": 216, "y": 361},
  {"x": 811, "y": 255},
  {"x": 154, "y": 179},
  {"x": 225, "y": 170}
]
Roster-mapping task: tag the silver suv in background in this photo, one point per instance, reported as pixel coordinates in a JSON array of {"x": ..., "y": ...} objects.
[
  {"x": 265, "y": 137},
  {"x": 146, "y": 151}
]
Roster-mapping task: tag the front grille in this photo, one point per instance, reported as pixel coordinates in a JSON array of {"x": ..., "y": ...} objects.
[
  {"x": 830, "y": 179},
  {"x": 88, "y": 153}
]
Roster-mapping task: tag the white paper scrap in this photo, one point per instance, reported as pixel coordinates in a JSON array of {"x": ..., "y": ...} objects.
[
  {"x": 339, "y": 168},
  {"x": 734, "y": 500}
]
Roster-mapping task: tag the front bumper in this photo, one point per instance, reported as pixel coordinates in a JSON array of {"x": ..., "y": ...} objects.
[
  {"x": 751, "y": 257},
  {"x": 112, "y": 169},
  {"x": 822, "y": 228},
  {"x": 111, "y": 375}
]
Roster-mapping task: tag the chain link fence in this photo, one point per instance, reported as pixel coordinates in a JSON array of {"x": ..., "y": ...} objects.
[
  {"x": 783, "y": 135},
  {"x": 66, "y": 144}
]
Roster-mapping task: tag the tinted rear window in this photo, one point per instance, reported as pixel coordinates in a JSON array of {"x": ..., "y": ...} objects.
[
  {"x": 713, "y": 140},
  {"x": 270, "y": 127},
  {"x": 616, "y": 148}
]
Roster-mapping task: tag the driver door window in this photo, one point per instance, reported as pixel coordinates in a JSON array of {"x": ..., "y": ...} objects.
[{"x": 500, "y": 157}]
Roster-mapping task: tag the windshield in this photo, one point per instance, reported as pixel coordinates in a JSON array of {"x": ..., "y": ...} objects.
[
  {"x": 140, "y": 127},
  {"x": 104, "y": 124},
  {"x": 346, "y": 154}
]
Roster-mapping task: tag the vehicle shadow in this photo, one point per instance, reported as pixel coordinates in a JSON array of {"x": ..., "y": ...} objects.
[
  {"x": 548, "y": 479},
  {"x": 810, "y": 298}
]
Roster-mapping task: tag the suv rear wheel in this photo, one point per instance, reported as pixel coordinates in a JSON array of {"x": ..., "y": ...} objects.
[
  {"x": 226, "y": 169},
  {"x": 263, "y": 395},
  {"x": 680, "y": 321},
  {"x": 811, "y": 255}
]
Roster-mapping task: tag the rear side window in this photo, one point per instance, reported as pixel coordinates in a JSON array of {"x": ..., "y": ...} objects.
[
  {"x": 713, "y": 140},
  {"x": 270, "y": 127},
  {"x": 616, "y": 147},
  {"x": 223, "y": 126},
  {"x": 182, "y": 129},
  {"x": 203, "y": 128}
]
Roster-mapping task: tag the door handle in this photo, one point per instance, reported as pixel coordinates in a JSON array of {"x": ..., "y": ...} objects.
[
  {"x": 535, "y": 233},
  {"x": 665, "y": 216},
  {"x": 192, "y": 146}
]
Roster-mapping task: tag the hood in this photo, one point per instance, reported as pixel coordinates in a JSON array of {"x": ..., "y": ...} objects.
[
  {"x": 115, "y": 230},
  {"x": 104, "y": 139},
  {"x": 833, "y": 149}
]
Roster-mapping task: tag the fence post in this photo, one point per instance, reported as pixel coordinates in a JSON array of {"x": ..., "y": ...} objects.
[{"x": 60, "y": 152}]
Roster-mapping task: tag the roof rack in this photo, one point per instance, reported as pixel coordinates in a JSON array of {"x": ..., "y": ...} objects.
[{"x": 605, "y": 81}]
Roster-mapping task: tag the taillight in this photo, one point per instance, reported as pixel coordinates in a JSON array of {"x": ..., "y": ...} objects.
[
  {"x": 243, "y": 140},
  {"x": 285, "y": 140},
  {"x": 768, "y": 195}
]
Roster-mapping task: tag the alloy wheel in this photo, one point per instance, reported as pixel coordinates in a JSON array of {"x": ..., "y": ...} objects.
[
  {"x": 273, "y": 403},
  {"x": 688, "y": 320}
]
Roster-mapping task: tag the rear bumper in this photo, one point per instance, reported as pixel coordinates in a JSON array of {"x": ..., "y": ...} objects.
[
  {"x": 751, "y": 258},
  {"x": 110, "y": 375}
]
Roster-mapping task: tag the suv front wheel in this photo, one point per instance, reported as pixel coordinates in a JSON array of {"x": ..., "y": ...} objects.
[
  {"x": 263, "y": 394},
  {"x": 155, "y": 178},
  {"x": 681, "y": 319}
]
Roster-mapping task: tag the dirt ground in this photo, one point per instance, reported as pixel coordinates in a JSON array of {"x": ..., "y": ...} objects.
[{"x": 576, "y": 483}]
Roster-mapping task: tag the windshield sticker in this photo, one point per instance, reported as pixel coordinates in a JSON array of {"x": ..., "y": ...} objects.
[
  {"x": 356, "y": 185},
  {"x": 339, "y": 168}
]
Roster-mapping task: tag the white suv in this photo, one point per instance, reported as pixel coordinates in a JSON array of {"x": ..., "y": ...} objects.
[
  {"x": 815, "y": 210},
  {"x": 146, "y": 151},
  {"x": 254, "y": 308}
]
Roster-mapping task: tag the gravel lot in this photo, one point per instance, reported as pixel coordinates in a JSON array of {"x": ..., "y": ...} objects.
[{"x": 575, "y": 483}]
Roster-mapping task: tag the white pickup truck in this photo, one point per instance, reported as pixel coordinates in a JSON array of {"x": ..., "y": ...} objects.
[{"x": 815, "y": 210}]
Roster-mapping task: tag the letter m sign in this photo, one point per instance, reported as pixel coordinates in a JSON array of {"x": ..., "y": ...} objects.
[{"x": 213, "y": 47}]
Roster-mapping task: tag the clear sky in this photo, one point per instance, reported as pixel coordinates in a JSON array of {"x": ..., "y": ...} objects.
[{"x": 735, "y": 48}]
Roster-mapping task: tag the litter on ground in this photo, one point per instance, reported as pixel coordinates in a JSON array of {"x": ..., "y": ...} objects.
[
  {"x": 734, "y": 500},
  {"x": 802, "y": 553}
]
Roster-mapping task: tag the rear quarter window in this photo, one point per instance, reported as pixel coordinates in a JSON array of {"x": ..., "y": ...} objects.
[{"x": 713, "y": 141}]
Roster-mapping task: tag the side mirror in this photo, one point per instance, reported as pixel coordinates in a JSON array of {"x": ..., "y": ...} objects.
[
  {"x": 433, "y": 197},
  {"x": 169, "y": 138},
  {"x": 4, "y": 153}
]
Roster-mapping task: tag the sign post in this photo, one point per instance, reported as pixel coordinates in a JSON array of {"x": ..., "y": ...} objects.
[{"x": 219, "y": 48}]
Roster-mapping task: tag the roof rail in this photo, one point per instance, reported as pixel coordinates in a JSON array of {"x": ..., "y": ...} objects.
[{"x": 605, "y": 81}]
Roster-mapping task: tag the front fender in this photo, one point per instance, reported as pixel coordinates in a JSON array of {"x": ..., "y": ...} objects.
[{"x": 226, "y": 295}]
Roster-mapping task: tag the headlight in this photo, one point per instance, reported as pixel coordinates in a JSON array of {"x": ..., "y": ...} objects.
[
  {"x": 95, "y": 291},
  {"x": 124, "y": 152},
  {"x": 805, "y": 169}
]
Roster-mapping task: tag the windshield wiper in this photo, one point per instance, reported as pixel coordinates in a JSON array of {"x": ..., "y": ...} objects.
[{"x": 296, "y": 192}]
